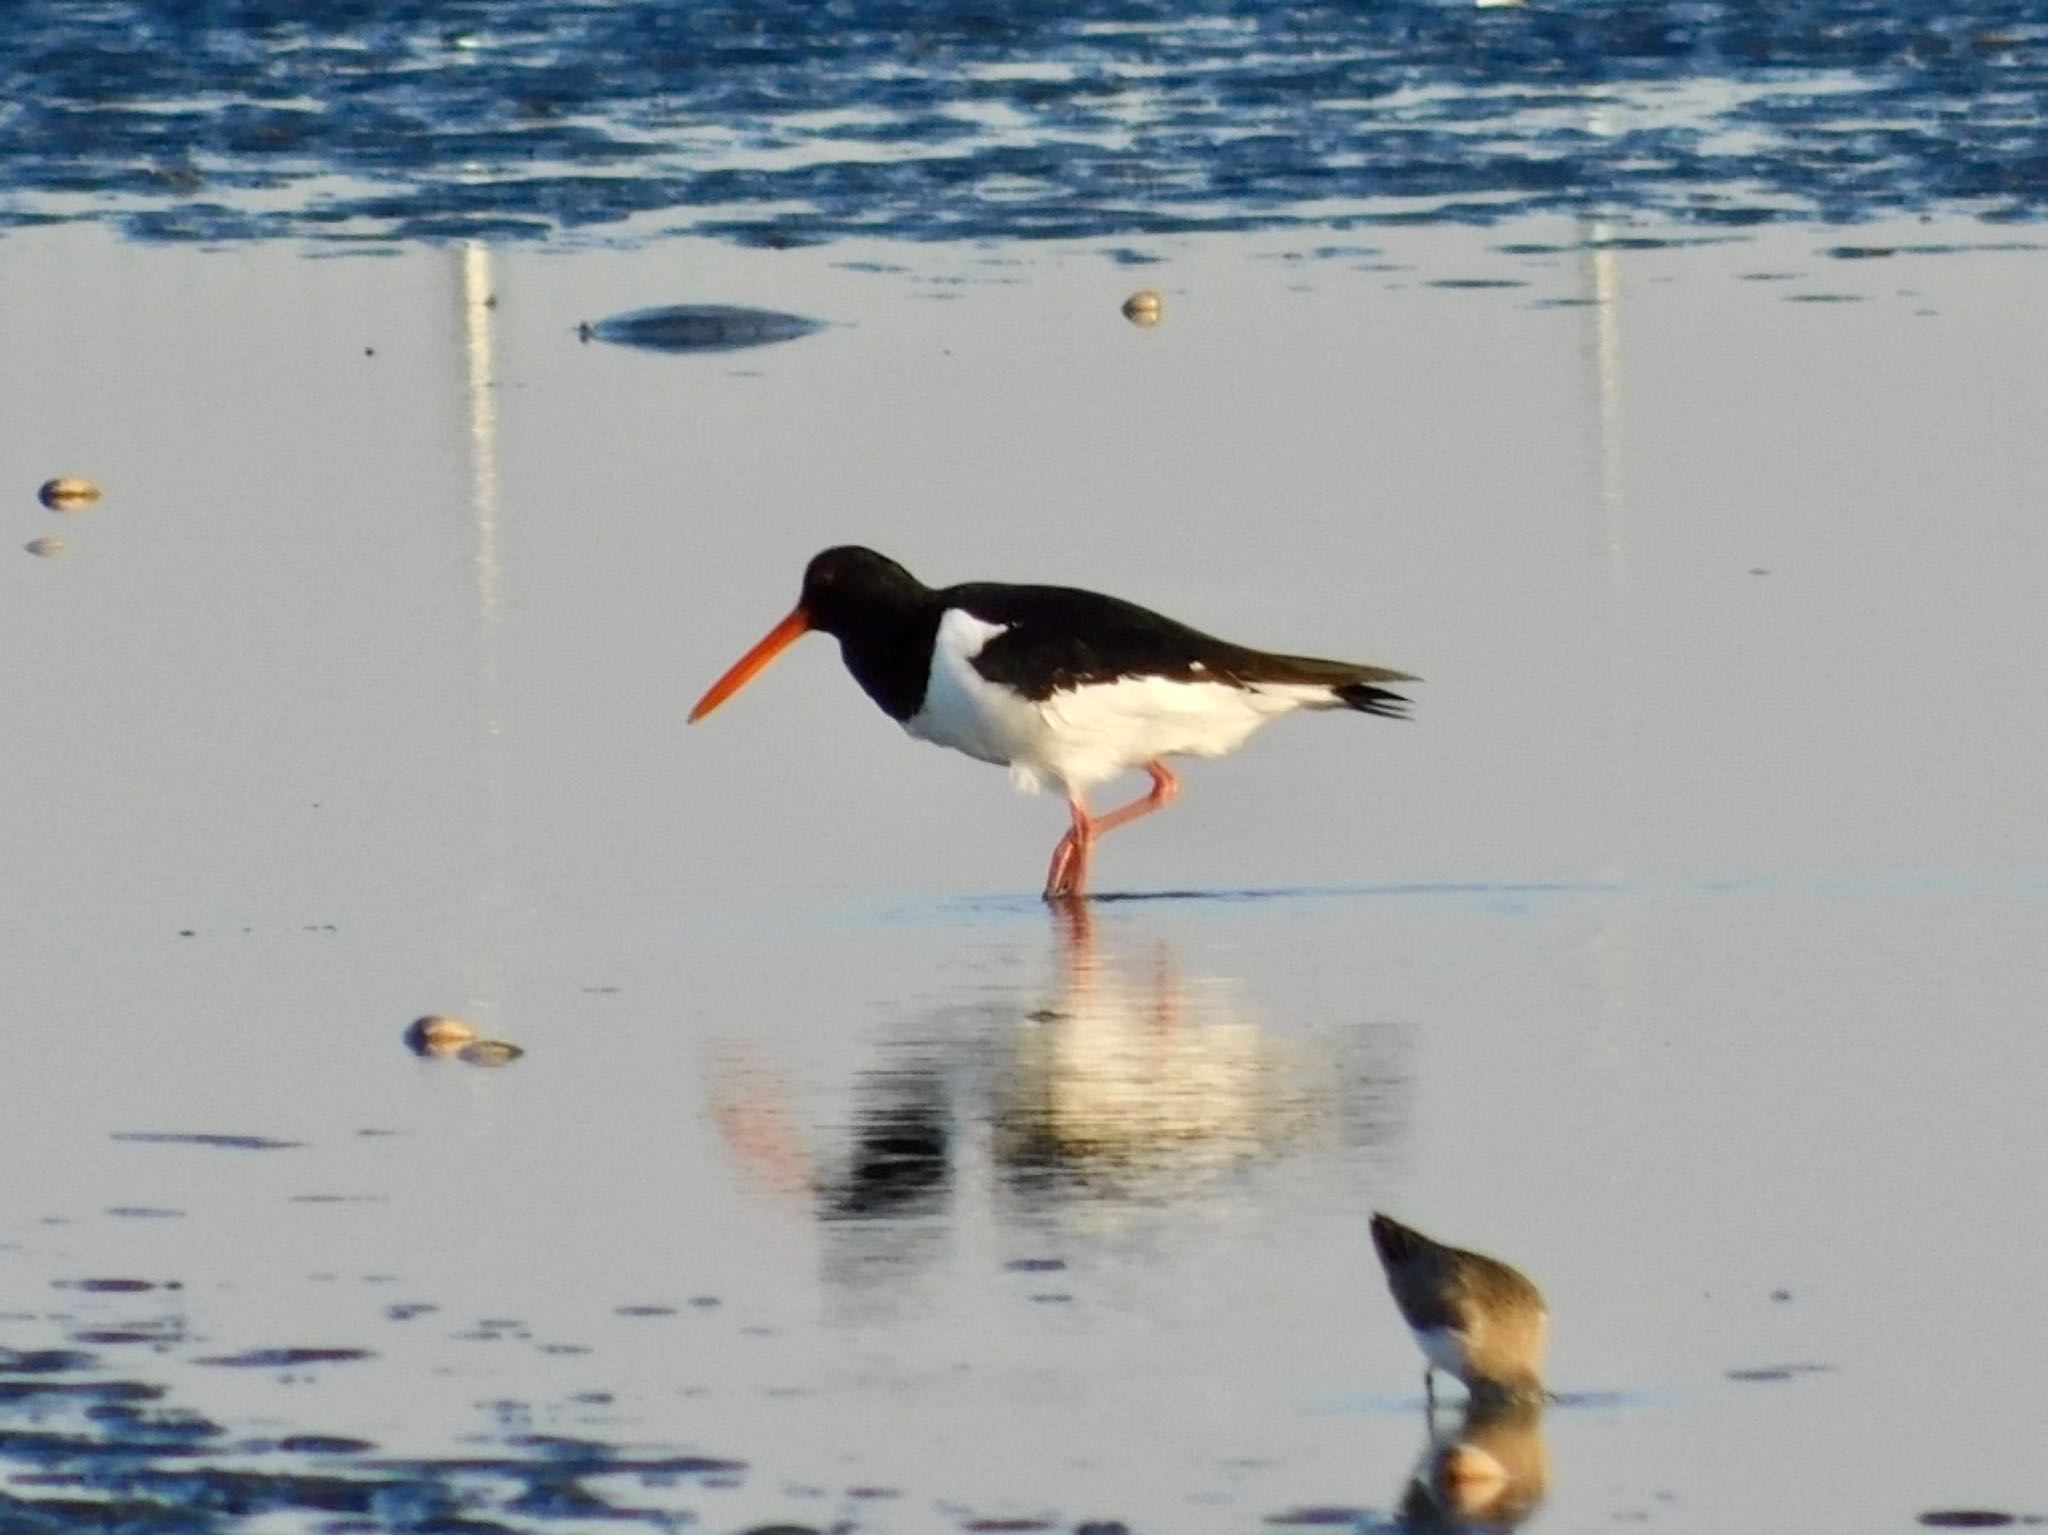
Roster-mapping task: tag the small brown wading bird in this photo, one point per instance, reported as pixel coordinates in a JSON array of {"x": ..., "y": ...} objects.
[
  {"x": 1473, "y": 1316},
  {"x": 1063, "y": 687}
]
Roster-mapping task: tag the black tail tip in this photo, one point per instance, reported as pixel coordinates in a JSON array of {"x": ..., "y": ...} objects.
[{"x": 1367, "y": 699}]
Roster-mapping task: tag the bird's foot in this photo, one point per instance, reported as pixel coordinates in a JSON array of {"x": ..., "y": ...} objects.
[{"x": 1066, "y": 880}]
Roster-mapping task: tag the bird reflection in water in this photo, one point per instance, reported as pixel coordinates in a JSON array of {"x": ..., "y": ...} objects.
[
  {"x": 884, "y": 1208},
  {"x": 1137, "y": 1081},
  {"x": 1489, "y": 1470},
  {"x": 901, "y": 1161},
  {"x": 1127, "y": 1083}
]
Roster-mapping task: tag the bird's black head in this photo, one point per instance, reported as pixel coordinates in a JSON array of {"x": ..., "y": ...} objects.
[
  {"x": 848, "y": 587},
  {"x": 883, "y": 617}
]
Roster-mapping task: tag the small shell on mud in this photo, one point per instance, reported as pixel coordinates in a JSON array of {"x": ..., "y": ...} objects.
[
  {"x": 436, "y": 1034},
  {"x": 68, "y": 493},
  {"x": 45, "y": 548},
  {"x": 1143, "y": 307},
  {"x": 489, "y": 1052}
]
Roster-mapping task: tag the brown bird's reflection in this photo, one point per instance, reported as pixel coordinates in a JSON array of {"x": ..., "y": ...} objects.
[{"x": 1489, "y": 1470}]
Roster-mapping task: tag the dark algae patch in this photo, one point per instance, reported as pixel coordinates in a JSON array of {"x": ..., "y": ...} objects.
[
  {"x": 111, "y": 1286},
  {"x": 1319, "y": 1517},
  {"x": 700, "y": 328},
  {"x": 42, "y": 1361},
  {"x": 284, "y": 1358},
  {"x": 324, "y": 1444},
  {"x": 1779, "y": 1372},
  {"x": 206, "y": 1138}
]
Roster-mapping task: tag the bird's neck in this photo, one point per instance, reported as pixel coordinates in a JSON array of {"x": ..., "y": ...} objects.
[{"x": 889, "y": 652}]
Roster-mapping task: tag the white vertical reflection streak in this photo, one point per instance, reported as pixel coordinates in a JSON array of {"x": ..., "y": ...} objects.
[
  {"x": 481, "y": 399},
  {"x": 479, "y": 343},
  {"x": 1614, "y": 1034},
  {"x": 1601, "y": 277},
  {"x": 1603, "y": 280}
]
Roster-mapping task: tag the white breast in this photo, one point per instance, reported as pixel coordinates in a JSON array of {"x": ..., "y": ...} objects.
[
  {"x": 965, "y": 711},
  {"x": 1443, "y": 1348}
]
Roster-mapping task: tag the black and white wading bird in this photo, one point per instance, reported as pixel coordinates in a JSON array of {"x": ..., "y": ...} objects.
[{"x": 1065, "y": 688}]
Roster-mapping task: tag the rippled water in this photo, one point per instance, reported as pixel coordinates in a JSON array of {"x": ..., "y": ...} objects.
[
  {"x": 109, "y": 1454},
  {"x": 786, "y": 123}
]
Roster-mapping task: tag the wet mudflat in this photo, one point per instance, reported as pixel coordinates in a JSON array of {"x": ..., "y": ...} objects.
[{"x": 1685, "y": 947}]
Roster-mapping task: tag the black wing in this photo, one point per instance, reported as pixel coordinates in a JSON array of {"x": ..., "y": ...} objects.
[{"x": 1058, "y": 637}]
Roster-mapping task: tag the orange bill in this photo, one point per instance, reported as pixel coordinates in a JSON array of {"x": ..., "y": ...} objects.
[{"x": 755, "y": 661}]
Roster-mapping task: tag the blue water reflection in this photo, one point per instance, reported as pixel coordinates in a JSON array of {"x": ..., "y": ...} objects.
[{"x": 793, "y": 123}]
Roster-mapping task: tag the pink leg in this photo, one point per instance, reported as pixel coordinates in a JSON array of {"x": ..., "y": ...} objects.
[
  {"x": 1069, "y": 871},
  {"x": 1067, "y": 879},
  {"x": 1165, "y": 790}
]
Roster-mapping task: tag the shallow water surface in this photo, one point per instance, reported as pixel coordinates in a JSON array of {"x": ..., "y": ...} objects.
[
  {"x": 1683, "y": 949},
  {"x": 964, "y": 1214}
]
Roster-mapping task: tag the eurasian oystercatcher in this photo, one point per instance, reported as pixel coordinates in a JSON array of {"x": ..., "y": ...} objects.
[
  {"x": 1473, "y": 1316},
  {"x": 1063, "y": 687}
]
